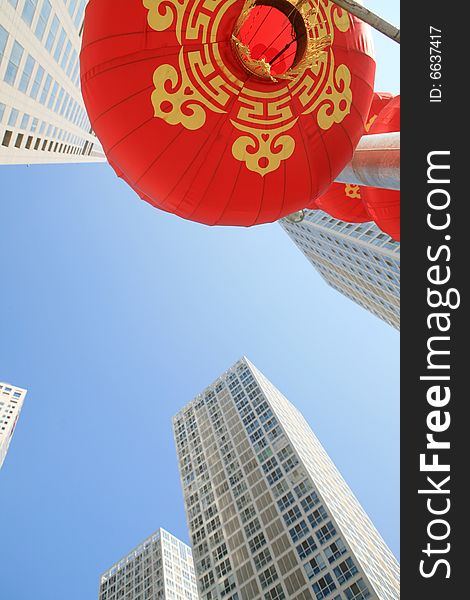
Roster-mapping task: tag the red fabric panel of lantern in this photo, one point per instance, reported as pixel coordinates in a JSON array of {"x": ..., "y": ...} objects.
[
  {"x": 343, "y": 201},
  {"x": 197, "y": 124}
]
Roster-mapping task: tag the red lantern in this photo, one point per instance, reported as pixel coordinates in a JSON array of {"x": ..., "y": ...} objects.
[
  {"x": 227, "y": 112},
  {"x": 359, "y": 204},
  {"x": 384, "y": 205}
]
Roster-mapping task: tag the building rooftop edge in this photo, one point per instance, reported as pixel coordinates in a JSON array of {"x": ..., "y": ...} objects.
[
  {"x": 119, "y": 564},
  {"x": 243, "y": 358},
  {"x": 16, "y": 387}
]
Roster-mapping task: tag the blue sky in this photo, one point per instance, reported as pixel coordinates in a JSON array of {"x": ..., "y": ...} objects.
[{"x": 114, "y": 315}]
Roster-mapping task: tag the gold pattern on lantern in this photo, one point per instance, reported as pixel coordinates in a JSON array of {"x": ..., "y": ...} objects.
[
  {"x": 204, "y": 81},
  {"x": 352, "y": 191},
  {"x": 263, "y": 152},
  {"x": 370, "y": 122}
]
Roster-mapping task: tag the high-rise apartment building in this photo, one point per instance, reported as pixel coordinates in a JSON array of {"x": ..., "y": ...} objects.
[
  {"x": 356, "y": 259},
  {"x": 270, "y": 516},
  {"x": 11, "y": 402},
  {"x": 42, "y": 115},
  {"x": 160, "y": 568}
]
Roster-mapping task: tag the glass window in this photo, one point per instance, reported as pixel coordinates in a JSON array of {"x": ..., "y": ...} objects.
[
  {"x": 326, "y": 532},
  {"x": 76, "y": 73},
  {"x": 60, "y": 45},
  {"x": 268, "y": 576},
  {"x": 71, "y": 6},
  {"x": 45, "y": 89},
  {"x": 3, "y": 41},
  {"x": 335, "y": 550},
  {"x": 37, "y": 82},
  {"x": 53, "y": 95},
  {"x": 2, "y": 111},
  {"x": 314, "y": 566},
  {"x": 72, "y": 62},
  {"x": 14, "y": 63},
  {"x": 14, "y": 3},
  {"x": 292, "y": 515},
  {"x": 310, "y": 501},
  {"x": 275, "y": 594},
  {"x": 274, "y": 476},
  {"x": 13, "y": 117},
  {"x": 306, "y": 548},
  {"x": 345, "y": 570},
  {"x": 79, "y": 16},
  {"x": 69, "y": 107},
  {"x": 59, "y": 100},
  {"x": 29, "y": 9},
  {"x": 252, "y": 527},
  {"x": 257, "y": 542},
  {"x": 262, "y": 559},
  {"x": 64, "y": 104},
  {"x": 299, "y": 531},
  {"x": 42, "y": 21},
  {"x": 317, "y": 516},
  {"x": 303, "y": 488},
  {"x": 66, "y": 55},
  {"x": 358, "y": 591},
  {"x": 26, "y": 76},
  {"x": 286, "y": 501},
  {"x": 324, "y": 586},
  {"x": 52, "y": 33},
  {"x": 24, "y": 121}
]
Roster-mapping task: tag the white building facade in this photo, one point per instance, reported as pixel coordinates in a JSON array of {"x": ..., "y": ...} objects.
[
  {"x": 160, "y": 568},
  {"x": 270, "y": 516},
  {"x": 42, "y": 115},
  {"x": 11, "y": 403},
  {"x": 356, "y": 259}
]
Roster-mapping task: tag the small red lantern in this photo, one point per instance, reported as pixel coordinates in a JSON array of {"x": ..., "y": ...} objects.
[
  {"x": 232, "y": 112},
  {"x": 383, "y": 205},
  {"x": 359, "y": 204}
]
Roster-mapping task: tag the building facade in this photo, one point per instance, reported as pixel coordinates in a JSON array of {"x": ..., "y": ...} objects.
[
  {"x": 11, "y": 403},
  {"x": 160, "y": 568},
  {"x": 356, "y": 259},
  {"x": 42, "y": 115},
  {"x": 269, "y": 515}
]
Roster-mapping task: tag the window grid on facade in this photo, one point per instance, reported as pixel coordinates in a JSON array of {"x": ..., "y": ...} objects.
[
  {"x": 11, "y": 403},
  {"x": 39, "y": 76},
  {"x": 160, "y": 568},
  {"x": 242, "y": 461},
  {"x": 356, "y": 259}
]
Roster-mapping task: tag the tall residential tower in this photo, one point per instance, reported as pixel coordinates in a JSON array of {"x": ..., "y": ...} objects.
[
  {"x": 11, "y": 403},
  {"x": 160, "y": 568},
  {"x": 42, "y": 116},
  {"x": 356, "y": 259},
  {"x": 270, "y": 516}
]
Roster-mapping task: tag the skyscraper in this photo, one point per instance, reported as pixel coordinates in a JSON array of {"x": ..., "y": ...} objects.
[
  {"x": 11, "y": 402},
  {"x": 160, "y": 568},
  {"x": 270, "y": 516},
  {"x": 42, "y": 116},
  {"x": 357, "y": 259}
]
